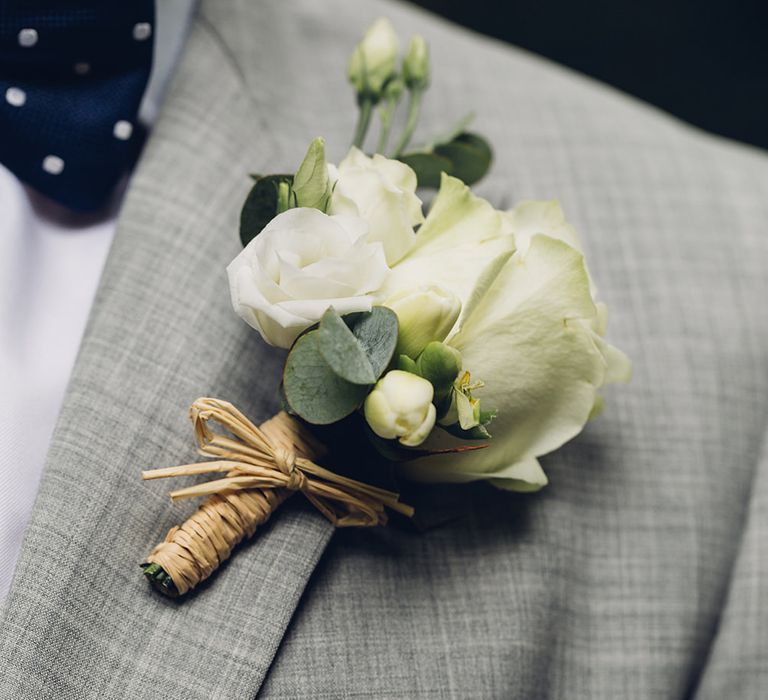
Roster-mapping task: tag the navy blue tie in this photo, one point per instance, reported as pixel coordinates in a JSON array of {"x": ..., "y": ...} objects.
[{"x": 72, "y": 75}]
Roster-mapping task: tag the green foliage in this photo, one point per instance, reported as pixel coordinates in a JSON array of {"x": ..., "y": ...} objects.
[
  {"x": 262, "y": 204},
  {"x": 406, "y": 364},
  {"x": 470, "y": 156},
  {"x": 477, "y": 432},
  {"x": 465, "y": 155},
  {"x": 376, "y": 331},
  {"x": 440, "y": 364},
  {"x": 343, "y": 351},
  {"x": 330, "y": 370},
  {"x": 428, "y": 166},
  {"x": 313, "y": 390}
]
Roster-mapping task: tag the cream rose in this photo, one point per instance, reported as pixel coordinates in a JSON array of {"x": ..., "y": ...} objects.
[
  {"x": 381, "y": 191},
  {"x": 302, "y": 263},
  {"x": 530, "y": 328}
]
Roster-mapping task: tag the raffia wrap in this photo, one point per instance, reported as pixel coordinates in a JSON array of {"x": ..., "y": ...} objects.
[{"x": 263, "y": 466}]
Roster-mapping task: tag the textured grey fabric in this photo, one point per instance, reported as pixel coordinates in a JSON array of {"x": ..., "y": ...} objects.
[{"x": 640, "y": 572}]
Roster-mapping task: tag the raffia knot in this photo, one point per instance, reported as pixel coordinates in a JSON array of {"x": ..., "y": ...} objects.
[
  {"x": 263, "y": 467},
  {"x": 285, "y": 461}
]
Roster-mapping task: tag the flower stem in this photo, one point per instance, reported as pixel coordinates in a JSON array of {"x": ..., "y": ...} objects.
[
  {"x": 160, "y": 579},
  {"x": 386, "y": 126},
  {"x": 363, "y": 122},
  {"x": 414, "y": 109}
]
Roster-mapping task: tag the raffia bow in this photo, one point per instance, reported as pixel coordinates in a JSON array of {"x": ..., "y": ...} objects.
[{"x": 263, "y": 466}]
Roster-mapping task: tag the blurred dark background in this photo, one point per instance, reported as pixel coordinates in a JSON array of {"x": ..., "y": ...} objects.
[{"x": 705, "y": 62}]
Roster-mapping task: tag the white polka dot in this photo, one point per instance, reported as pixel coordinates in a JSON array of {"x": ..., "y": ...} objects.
[
  {"x": 53, "y": 165},
  {"x": 82, "y": 68},
  {"x": 15, "y": 96},
  {"x": 122, "y": 130},
  {"x": 142, "y": 31},
  {"x": 27, "y": 37}
]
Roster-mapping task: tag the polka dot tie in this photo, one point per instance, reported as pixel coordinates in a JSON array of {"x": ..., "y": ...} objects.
[{"x": 72, "y": 75}]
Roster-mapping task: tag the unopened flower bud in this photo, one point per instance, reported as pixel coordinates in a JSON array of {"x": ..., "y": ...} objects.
[
  {"x": 373, "y": 62},
  {"x": 311, "y": 185},
  {"x": 416, "y": 63},
  {"x": 400, "y": 407},
  {"x": 393, "y": 89},
  {"x": 440, "y": 364},
  {"x": 425, "y": 314},
  {"x": 406, "y": 364}
]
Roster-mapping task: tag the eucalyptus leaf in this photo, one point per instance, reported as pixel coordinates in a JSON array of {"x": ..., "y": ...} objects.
[
  {"x": 261, "y": 205},
  {"x": 470, "y": 156},
  {"x": 343, "y": 351},
  {"x": 376, "y": 331},
  {"x": 312, "y": 389}
]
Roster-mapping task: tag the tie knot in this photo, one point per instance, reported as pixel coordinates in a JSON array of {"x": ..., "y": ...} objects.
[{"x": 285, "y": 461}]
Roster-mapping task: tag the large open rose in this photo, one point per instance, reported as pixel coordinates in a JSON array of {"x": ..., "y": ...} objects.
[
  {"x": 530, "y": 328},
  {"x": 303, "y": 262}
]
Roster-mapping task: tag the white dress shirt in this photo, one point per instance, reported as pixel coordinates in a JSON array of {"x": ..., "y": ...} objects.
[{"x": 50, "y": 264}]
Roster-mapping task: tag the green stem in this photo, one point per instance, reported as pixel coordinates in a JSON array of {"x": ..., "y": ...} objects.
[
  {"x": 160, "y": 579},
  {"x": 414, "y": 109},
  {"x": 386, "y": 127},
  {"x": 363, "y": 121},
  {"x": 283, "y": 197}
]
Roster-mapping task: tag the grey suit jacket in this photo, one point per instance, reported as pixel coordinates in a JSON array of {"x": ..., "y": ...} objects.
[{"x": 640, "y": 572}]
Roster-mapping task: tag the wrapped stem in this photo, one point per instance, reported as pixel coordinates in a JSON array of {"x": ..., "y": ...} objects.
[
  {"x": 192, "y": 552},
  {"x": 262, "y": 467}
]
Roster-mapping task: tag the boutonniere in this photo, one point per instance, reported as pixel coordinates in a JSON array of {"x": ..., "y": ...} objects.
[{"x": 455, "y": 346}]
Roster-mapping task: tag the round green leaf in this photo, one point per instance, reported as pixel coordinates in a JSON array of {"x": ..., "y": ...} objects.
[
  {"x": 376, "y": 331},
  {"x": 427, "y": 166},
  {"x": 313, "y": 390},
  {"x": 342, "y": 350},
  {"x": 470, "y": 156}
]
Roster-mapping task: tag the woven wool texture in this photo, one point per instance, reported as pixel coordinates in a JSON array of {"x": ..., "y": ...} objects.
[{"x": 640, "y": 572}]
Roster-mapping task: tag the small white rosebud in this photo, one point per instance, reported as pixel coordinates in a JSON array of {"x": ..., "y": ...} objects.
[
  {"x": 425, "y": 314},
  {"x": 400, "y": 406},
  {"x": 373, "y": 62},
  {"x": 416, "y": 63}
]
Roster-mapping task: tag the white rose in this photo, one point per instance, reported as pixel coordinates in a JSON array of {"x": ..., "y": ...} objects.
[
  {"x": 381, "y": 191},
  {"x": 531, "y": 216},
  {"x": 302, "y": 263},
  {"x": 530, "y": 328},
  {"x": 461, "y": 247},
  {"x": 535, "y": 335}
]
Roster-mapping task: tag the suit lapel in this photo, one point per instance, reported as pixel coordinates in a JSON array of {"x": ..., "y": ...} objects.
[{"x": 80, "y": 620}]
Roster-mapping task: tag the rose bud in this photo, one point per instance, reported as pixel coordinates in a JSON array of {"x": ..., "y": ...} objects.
[
  {"x": 373, "y": 62},
  {"x": 400, "y": 406},
  {"x": 416, "y": 64},
  {"x": 425, "y": 314}
]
